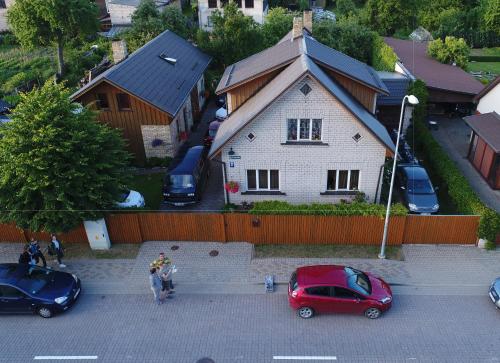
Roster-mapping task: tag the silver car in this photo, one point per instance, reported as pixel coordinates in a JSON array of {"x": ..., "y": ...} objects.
[{"x": 495, "y": 292}]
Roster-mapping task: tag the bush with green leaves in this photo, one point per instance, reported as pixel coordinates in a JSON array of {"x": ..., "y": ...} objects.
[
  {"x": 58, "y": 165},
  {"x": 355, "y": 208},
  {"x": 277, "y": 24},
  {"x": 383, "y": 56},
  {"x": 451, "y": 51}
]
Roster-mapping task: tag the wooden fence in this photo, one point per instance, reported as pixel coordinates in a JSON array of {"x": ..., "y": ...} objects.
[{"x": 270, "y": 229}]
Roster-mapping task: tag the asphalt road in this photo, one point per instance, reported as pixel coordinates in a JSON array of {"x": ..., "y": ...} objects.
[{"x": 255, "y": 328}]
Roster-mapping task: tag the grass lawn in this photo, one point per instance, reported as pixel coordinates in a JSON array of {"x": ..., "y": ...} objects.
[
  {"x": 493, "y": 67},
  {"x": 83, "y": 251},
  {"x": 495, "y": 51},
  {"x": 323, "y": 251},
  {"x": 150, "y": 186}
]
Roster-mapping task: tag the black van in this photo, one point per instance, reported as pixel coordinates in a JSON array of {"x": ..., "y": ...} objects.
[{"x": 185, "y": 183}]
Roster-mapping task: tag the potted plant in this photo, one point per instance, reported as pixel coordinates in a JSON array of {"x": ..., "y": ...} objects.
[{"x": 232, "y": 187}]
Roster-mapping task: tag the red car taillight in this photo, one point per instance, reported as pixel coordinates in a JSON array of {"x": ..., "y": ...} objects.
[{"x": 294, "y": 294}]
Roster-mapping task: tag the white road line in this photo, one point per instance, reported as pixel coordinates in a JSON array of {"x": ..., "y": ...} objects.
[
  {"x": 64, "y": 357},
  {"x": 303, "y": 357}
]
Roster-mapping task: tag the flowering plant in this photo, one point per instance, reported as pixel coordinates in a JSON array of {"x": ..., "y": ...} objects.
[
  {"x": 232, "y": 186},
  {"x": 156, "y": 142}
]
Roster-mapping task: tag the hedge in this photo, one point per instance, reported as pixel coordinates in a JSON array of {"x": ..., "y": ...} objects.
[
  {"x": 484, "y": 58},
  {"x": 340, "y": 209},
  {"x": 459, "y": 188}
]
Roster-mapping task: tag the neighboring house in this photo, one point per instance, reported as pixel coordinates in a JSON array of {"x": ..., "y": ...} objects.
[
  {"x": 121, "y": 11},
  {"x": 153, "y": 96},
  {"x": 4, "y": 6},
  {"x": 488, "y": 100},
  {"x": 448, "y": 85},
  {"x": 484, "y": 148},
  {"x": 301, "y": 126},
  {"x": 389, "y": 107},
  {"x": 257, "y": 9}
]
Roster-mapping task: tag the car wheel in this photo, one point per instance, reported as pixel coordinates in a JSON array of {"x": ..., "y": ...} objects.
[
  {"x": 305, "y": 312},
  {"x": 372, "y": 313},
  {"x": 44, "y": 312}
]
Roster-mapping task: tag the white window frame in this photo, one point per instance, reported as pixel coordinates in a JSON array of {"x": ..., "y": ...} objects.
[
  {"x": 337, "y": 171},
  {"x": 309, "y": 139},
  {"x": 258, "y": 188}
]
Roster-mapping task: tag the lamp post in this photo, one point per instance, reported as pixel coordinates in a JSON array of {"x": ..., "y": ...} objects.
[{"x": 413, "y": 101}]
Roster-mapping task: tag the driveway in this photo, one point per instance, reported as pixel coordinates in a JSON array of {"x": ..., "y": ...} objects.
[
  {"x": 453, "y": 135},
  {"x": 213, "y": 195}
]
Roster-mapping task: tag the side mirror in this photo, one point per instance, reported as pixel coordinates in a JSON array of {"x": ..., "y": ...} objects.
[
  {"x": 358, "y": 300},
  {"x": 402, "y": 187}
]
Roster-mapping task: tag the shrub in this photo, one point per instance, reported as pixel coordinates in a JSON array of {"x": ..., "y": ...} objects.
[
  {"x": 452, "y": 50},
  {"x": 156, "y": 161},
  {"x": 274, "y": 207},
  {"x": 383, "y": 56}
]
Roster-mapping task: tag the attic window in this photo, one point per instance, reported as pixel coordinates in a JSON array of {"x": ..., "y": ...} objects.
[
  {"x": 251, "y": 136},
  {"x": 357, "y": 137},
  {"x": 305, "y": 89},
  {"x": 169, "y": 60}
]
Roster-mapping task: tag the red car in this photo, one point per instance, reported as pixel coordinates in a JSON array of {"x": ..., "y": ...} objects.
[{"x": 338, "y": 289}]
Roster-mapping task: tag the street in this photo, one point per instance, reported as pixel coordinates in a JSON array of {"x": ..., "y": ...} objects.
[{"x": 255, "y": 328}]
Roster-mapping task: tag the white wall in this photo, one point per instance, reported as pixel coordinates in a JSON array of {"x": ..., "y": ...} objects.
[
  {"x": 491, "y": 101},
  {"x": 3, "y": 15},
  {"x": 303, "y": 168},
  {"x": 257, "y": 12},
  {"x": 120, "y": 14}
]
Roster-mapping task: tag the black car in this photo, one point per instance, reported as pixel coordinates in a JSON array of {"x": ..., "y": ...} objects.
[
  {"x": 495, "y": 292},
  {"x": 418, "y": 193},
  {"x": 33, "y": 289},
  {"x": 186, "y": 182}
]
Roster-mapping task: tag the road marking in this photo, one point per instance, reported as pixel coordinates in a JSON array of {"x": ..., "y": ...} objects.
[
  {"x": 64, "y": 357},
  {"x": 303, "y": 357}
]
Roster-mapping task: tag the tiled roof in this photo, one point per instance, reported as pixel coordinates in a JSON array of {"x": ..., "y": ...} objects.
[
  {"x": 437, "y": 75},
  {"x": 487, "y": 126},
  {"x": 397, "y": 84},
  {"x": 301, "y": 67},
  {"x": 147, "y": 76}
]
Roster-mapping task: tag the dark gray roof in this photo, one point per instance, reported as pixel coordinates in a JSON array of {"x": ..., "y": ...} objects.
[
  {"x": 301, "y": 67},
  {"x": 287, "y": 50},
  {"x": 397, "y": 84},
  {"x": 487, "y": 126},
  {"x": 147, "y": 76}
]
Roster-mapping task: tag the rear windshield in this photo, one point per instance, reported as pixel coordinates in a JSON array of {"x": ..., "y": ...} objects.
[
  {"x": 358, "y": 281},
  {"x": 420, "y": 186},
  {"x": 35, "y": 279},
  {"x": 181, "y": 181},
  {"x": 293, "y": 282}
]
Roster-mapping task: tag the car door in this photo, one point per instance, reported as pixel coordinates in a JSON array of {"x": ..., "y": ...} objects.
[
  {"x": 13, "y": 300},
  {"x": 318, "y": 298},
  {"x": 348, "y": 301}
]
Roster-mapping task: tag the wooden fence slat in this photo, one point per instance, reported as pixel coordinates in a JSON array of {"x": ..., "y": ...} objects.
[{"x": 441, "y": 229}]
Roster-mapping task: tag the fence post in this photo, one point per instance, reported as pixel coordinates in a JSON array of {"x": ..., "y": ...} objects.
[
  {"x": 140, "y": 226},
  {"x": 224, "y": 227}
]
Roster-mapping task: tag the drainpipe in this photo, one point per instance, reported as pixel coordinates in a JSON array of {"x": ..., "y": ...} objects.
[
  {"x": 380, "y": 182},
  {"x": 224, "y": 179}
]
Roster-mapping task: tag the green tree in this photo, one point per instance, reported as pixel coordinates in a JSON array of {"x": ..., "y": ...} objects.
[
  {"x": 278, "y": 23},
  {"x": 52, "y": 22},
  {"x": 431, "y": 12},
  {"x": 387, "y": 16},
  {"x": 491, "y": 15},
  {"x": 174, "y": 20},
  {"x": 234, "y": 36},
  {"x": 452, "y": 50},
  {"x": 58, "y": 166},
  {"x": 383, "y": 58},
  {"x": 346, "y": 36},
  {"x": 345, "y": 7}
]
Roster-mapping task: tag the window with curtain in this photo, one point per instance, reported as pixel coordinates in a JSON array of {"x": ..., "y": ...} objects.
[{"x": 338, "y": 180}]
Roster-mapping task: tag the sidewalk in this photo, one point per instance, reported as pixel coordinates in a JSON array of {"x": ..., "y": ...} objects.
[{"x": 427, "y": 269}]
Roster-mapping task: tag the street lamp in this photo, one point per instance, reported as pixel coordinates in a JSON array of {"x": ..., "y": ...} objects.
[{"x": 412, "y": 100}]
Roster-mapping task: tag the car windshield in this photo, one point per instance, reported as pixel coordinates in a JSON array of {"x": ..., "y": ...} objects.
[
  {"x": 35, "y": 279},
  {"x": 181, "y": 181},
  {"x": 123, "y": 196},
  {"x": 358, "y": 281},
  {"x": 420, "y": 186}
]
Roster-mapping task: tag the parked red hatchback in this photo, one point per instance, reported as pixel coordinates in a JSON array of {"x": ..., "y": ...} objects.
[{"x": 337, "y": 289}]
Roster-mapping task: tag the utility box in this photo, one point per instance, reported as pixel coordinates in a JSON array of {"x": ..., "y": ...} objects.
[
  {"x": 269, "y": 283},
  {"x": 97, "y": 234}
]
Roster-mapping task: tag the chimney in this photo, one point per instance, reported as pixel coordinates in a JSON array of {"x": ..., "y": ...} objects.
[
  {"x": 308, "y": 20},
  {"x": 119, "y": 48},
  {"x": 298, "y": 25}
]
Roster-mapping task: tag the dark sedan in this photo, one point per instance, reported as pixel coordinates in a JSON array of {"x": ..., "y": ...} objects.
[
  {"x": 418, "y": 192},
  {"x": 33, "y": 289},
  {"x": 495, "y": 292}
]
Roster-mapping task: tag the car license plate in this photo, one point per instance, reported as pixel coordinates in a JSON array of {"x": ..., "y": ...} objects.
[
  {"x": 492, "y": 297},
  {"x": 178, "y": 204},
  {"x": 76, "y": 294}
]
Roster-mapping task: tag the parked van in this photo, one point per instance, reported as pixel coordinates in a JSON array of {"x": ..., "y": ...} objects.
[{"x": 186, "y": 182}]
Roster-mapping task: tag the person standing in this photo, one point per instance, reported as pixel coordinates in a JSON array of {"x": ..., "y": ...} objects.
[
  {"x": 25, "y": 257},
  {"x": 57, "y": 250},
  {"x": 36, "y": 252},
  {"x": 155, "y": 284}
]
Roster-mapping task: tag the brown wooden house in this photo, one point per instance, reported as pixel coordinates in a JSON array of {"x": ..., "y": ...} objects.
[
  {"x": 484, "y": 148},
  {"x": 153, "y": 96}
]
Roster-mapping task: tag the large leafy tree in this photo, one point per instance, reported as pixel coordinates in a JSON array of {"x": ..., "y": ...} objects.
[
  {"x": 58, "y": 166},
  {"x": 278, "y": 23},
  {"x": 234, "y": 36},
  {"x": 52, "y": 22},
  {"x": 388, "y": 16},
  {"x": 452, "y": 50},
  {"x": 491, "y": 15}
]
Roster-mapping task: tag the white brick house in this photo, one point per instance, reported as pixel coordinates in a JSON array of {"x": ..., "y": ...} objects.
[
  {"x": 302, "y": 137},
  {"x": 257, "y": 9},
  {"x": 121, "y": 11}
]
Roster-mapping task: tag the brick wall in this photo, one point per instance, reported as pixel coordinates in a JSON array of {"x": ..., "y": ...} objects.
[
  {"x": 303, "y": 168},
  {"x": 162, "y": 132}
]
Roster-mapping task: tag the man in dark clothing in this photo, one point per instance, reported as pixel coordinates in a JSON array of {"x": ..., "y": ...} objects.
[
  {"x": 36, "y": 252},
  {"x": 25, "y": 257}
]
